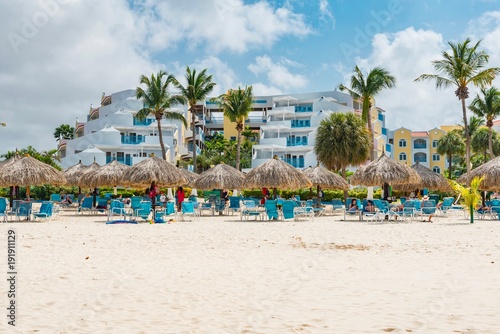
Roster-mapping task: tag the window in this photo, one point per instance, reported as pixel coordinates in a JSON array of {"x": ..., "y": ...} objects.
[
  {"x": 436, "y": 169},
  {"x": 232, "y": 138},
  {"x": 436, "y": 157},
  {"x": 402, "y": 156},
  {"x": 402, "y": 143},
  {"x": 435, "y": 143},
  {"x": 420, "y": 143},
  {"x": 420, "y": 157}
]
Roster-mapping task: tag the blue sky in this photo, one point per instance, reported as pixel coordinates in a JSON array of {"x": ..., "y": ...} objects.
[{"x": 60, "y": 55}]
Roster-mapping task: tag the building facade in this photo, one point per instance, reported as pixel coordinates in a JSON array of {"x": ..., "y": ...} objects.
[
  {"x": 409, "y": 146},
  {"x": 113, "y": 132}
]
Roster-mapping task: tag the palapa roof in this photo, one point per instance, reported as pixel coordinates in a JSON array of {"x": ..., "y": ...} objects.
[
  {"x": 109, "y": 175},
  {"x": 430, "y": 180},
  {"x": 89, "y": 170},
  {"x": 190, "y": 176},
  {"x": 74, "y": 173},
  {"x": 28, "y": 171},
  {"x": 154, "y": 169},
  {"x": 384, "y": 170},
  {"x": 326, "y": 179},
  {"x": 276, "y": 173},
  {"x": 221, "y": 176},
  {"x": 490, "y": 171}
]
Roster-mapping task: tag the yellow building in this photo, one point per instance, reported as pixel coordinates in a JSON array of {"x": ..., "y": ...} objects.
[{"x": 412, "y": 146}]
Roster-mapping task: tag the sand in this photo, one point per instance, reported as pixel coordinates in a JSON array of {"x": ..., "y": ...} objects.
[{"x": 219, "y": 275}]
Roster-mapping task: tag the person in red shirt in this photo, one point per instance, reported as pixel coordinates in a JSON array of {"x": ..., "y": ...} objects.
[{"x": 180, "y": 198}]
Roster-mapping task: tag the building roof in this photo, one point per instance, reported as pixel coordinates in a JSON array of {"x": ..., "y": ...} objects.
[{"x": 420, "y": 134}]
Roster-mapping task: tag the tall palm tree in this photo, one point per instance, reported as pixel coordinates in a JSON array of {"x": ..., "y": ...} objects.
[
  {"x": 463, "y": 67},
  {"x": 480, "y": 141},
  {"x": 365, "y": 91},
  {"x": 342, "y": 140},
  {"x": 451, "y": 144},
  {"x": 197, "y": 88},
  {"x": 157, "y": 101},
  {"x": 489, "y": 109},
  {"x": 64, "y": 131},
  {"x": 236, "y": 105}
]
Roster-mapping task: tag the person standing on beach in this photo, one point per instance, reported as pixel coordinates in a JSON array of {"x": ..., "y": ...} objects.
[{"x": 180, "y": 198}]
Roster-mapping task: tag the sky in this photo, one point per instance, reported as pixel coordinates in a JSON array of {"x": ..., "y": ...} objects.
[{"x": 57, "y": 57}]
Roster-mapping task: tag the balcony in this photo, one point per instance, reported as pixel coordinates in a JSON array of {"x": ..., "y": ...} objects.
[
  {"x": 297, "y": 141},
  {"x": 295, "y": 162},
  {"x": 301, "y": 123},
  {"x": 124, "y": 160},
  {"x": 134, "y": 140},
  {"x": 256, "y": 119},
  {"x": 143, "y": 122},
  {"x": 308, "y": 108}
]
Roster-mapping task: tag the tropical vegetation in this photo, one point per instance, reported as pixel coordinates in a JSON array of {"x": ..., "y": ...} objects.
[
  {"x": 197, "y": 88},
  {"x": 462, "y": 67},
  {"x": 157, "y": 102},
  {"x": 364, "y": 91}
]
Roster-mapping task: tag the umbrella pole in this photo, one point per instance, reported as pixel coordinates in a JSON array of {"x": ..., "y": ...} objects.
[
  {"x": 11, "y": 195},
  {"x": 274, "y": 192},
  {"x": 28, "y": 192},
  {"x": 318, "y": 200}
]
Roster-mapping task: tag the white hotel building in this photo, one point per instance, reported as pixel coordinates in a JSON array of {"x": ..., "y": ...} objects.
[
  {"x": 286, "y": 125},
  {"x": 112, "y": 132}
]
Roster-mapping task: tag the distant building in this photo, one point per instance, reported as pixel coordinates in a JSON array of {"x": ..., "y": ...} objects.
[{"x": 112, "y": 132}]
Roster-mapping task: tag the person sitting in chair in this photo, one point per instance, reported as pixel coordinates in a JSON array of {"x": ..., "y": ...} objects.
[
  {"x": 369, "y": 207},
  {"x": 354, "y": 205}
]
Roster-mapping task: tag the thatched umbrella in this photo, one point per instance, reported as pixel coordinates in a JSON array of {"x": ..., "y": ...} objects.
[
  {"x": 490, "y": 171},
  {"x": 74, "y": 173},
  {"x": 89, "y": 170},
  {"x": 274, "y": 174},
  {"x": 13, "y": 190},
  {"x": 221, "y": 176},
  {"x": 154, "y": 169},
  {"x": 29, "y": 171},
  {"x": 109, "y": 175},
  {"x": 384, "y": 171},
  {"x": 325, "y": 179},
  {"x": 430, "y": 180},
  {"x": 190, "y": 176}
]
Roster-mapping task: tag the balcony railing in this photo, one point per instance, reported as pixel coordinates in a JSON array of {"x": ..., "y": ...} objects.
[
  {"x": 134, "y": 140},
  {"x": 143, "y": 122},
  {"x": 255, "y": 120},
  {"x": 124, "y": 160},
  {"x": 301, "y": 123},
  {"x": 303, "y": 108},
  {"x": 297, "y": 141},
  {"x": 295, "y": 162},
  {"x": 419, "y": 146}
]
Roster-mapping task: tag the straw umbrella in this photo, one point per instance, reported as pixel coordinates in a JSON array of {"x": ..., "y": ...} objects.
[
  {"x": 274, "y": 174},
  {"x": 190, "y": 176},
  {"x": 154, "y": 169},
  {"x": 383, "y": 171},
  {"x": 221, "y": 176},
  {"x": 490, "y": 171},
  {"x": 6, "y": 163},
  {"x": 28, "y": 171},
  {"x": 89, "y": 170},
  {"x": 430, "y": 180},
  {"x": 109, "y": 175},
  {"x": 74, "y": 173},
  {"x": 325, "y": 179}
]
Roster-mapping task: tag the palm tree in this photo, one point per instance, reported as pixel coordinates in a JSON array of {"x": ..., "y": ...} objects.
[
  {"x": 236, "y": 105},
  {"x": 450, "y": 144},
  {"x": 464, "y": 66},
  {"x": 157, "y": 101},
  {"x": 64, "y": 131},
  {"x": 474, "y": 124},
  {"x": 342, "y": 140},
  {"x": 197, "y": 88},
  {"x": 365, "y": 91},
  {"x": 480, "y": 140},
  {"x": 488, "y": 108}
]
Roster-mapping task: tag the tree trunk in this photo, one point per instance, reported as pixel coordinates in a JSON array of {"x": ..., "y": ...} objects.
[
  {"x": 450, "y": 166},
  {"x": 193, "y": 128},
  {"x": 160, "y": 138},
  {"x": 238, "y": 147},
  {"x": 490, "y": 142},
  {"x": 346, "y": 193},
  {"x": 467, "y": 141},
  {"x": 370, "y": 130}
]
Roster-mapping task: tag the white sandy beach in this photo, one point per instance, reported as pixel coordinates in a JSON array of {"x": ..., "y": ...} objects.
[{"x": 219, "y": 275}]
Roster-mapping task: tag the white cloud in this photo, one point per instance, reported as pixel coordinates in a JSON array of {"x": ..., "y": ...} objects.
[
  {"x": 224, "y": 25},
  {"x": 416, "y": 105},
  {"x": 277, "y": 73},
  {"x": 325, "y": 12}
]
